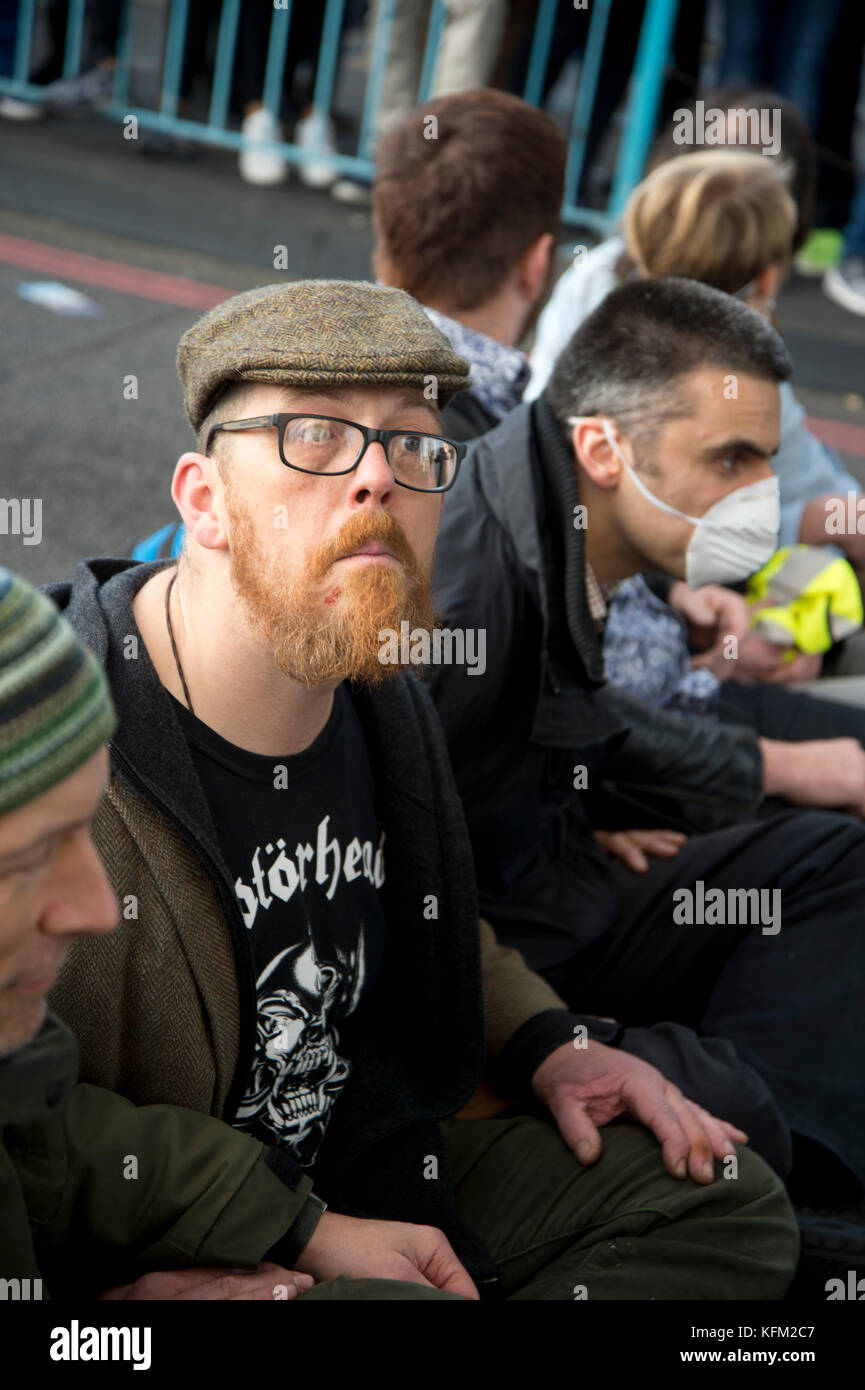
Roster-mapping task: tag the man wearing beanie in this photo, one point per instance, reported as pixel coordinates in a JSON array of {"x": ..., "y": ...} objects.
[
  {"x": 71, "y": 1219},
  {"x": 302, "y": 956}
]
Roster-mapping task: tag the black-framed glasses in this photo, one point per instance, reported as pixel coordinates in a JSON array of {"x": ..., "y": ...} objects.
[{"x": 328, "y": 445}]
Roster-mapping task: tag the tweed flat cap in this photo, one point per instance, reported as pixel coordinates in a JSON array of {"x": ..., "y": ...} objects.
[{"x": 316, "y": 333}]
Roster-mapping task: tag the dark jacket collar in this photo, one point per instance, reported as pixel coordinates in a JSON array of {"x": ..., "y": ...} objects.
[
  {"x": 554, "y": 461},
  {"x": 526, "y": 471},
  {"x": 35, "y": 1080},
  {"x": 148, "y": 744}
]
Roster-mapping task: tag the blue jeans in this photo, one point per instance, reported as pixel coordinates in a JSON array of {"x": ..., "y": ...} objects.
[
  {"x": 785, "y": 46},
  {"x": 8, "y": 25},
  {"x": 854, "y": 232}
]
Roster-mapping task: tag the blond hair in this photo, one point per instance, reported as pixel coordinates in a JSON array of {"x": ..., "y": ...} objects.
[{"x": 718, "y": 216}]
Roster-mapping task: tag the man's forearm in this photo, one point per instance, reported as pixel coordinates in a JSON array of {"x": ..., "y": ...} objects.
[
  {"x": 778, "y": 768},
  {"x": 812, "y": 527},
  {"x": 204, "y": 1192},
  {"x": 513, "y": 994},
  {"x": 815, "y": 527},
  {"x": 526, "y": 1019}
]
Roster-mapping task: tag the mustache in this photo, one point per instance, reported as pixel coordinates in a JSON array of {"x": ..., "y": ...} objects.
[{"x": 361, "y": 530}]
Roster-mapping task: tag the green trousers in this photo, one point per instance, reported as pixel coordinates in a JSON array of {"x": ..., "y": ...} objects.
[{"x": 622, "y": 1229}]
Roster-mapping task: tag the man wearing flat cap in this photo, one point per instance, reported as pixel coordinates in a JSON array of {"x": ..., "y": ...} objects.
[{"x": 300, "y": 953}]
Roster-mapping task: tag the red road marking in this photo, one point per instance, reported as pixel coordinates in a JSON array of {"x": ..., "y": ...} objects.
[
  {"x": 186, "y": 293},
  {"x": 839, "y": 434},
  {"x": 111, "y": 275}
]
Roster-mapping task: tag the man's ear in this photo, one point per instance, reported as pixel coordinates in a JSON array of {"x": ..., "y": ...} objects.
[
  {"x": 535, "y": 268},
  {"x": 594, "y": 452},
  {"x": 767, "y": 284},
  {"x": 197, "y": 492}
]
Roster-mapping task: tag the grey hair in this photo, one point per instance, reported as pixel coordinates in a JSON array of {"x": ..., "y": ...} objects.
[{"x": 628, "y": 358}]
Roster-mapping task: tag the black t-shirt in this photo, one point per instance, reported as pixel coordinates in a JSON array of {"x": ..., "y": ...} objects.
[{"x": 301, "y": 839}]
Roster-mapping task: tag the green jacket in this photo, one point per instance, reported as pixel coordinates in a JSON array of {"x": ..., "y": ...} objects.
[{"x": 96, "y": 1191}]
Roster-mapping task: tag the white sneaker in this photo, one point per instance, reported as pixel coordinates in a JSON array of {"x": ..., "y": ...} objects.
[
  {"x": 257, "y": 163},
  {"x": 845, "y": 284},
  {"x": 352, "y": 190},
  {"x": 92, "y": 89},
  {"x": 316, "y": 133},
  {"x": 14, "y": 110}
]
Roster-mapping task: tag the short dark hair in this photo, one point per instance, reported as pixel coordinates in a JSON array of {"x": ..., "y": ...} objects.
[
  {"x": 456, "y": 203},
  {"x": 626, "y": 360}
]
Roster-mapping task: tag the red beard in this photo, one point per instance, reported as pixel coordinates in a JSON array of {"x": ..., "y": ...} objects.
[{"x": 326, "y": 627}]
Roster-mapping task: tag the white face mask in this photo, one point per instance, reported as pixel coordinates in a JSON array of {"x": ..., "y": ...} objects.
[{"x": 733, "y": 539}]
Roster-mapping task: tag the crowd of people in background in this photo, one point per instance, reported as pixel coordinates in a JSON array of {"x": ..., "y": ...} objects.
[{"x": 802, "y": 51}]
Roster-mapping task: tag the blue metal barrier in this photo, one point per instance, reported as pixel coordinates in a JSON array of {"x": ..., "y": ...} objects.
[
  {"x": 74, "y": 36},
  {"x": 640, "y": 113}
]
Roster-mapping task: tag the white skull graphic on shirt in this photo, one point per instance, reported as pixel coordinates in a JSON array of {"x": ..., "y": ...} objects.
[{"x": 297, "y": 1072}]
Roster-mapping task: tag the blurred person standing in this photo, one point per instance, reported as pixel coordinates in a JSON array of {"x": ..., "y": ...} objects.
[
  {"x": 468, "y": 49},
  {"x": 788, "y": 45},
  {"x": 261, "y": 127},
  {"x": 784, "y": 44},
  {"x": 90, "y": 88}
]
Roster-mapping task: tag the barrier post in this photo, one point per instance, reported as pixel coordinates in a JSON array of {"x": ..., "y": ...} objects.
[{"x": 647, "y": 81}]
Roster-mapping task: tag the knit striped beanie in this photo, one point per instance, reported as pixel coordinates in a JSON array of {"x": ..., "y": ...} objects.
[{"x": 55, "y": 707}]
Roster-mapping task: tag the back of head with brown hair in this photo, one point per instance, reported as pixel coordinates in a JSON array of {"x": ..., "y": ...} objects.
[
  {"x": 457, "y": 199},
  {"x": 718, "y": 216}
]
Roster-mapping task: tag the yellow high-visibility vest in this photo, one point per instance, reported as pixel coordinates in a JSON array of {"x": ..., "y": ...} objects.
[{"x": 814, "y": 601}]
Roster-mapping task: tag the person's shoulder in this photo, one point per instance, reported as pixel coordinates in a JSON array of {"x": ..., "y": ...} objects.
[
  {"x": 466, "y": 418},
  {"x": 579, "y": 290},
  {"x": 592, "y": 272},
  {"x": 511, "y": 430}
]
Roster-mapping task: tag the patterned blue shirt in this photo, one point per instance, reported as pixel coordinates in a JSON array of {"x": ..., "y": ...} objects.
[
  {"x": 500, "y": 373},
  {"x": 646, "y": 652}
]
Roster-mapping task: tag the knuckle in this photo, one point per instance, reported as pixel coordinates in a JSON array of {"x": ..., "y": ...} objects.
[{"x": 229, "y": 1284}]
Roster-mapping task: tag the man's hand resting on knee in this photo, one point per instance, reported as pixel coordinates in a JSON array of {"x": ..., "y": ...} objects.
[
  {"x": 367, "y": 1249},
  {"x": 585, "y": 1088}
]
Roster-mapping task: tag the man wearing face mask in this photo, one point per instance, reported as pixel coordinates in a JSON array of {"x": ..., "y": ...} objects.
[
  {"x": 650, "y": 451},
  {"x": 734, "y": 536}
]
